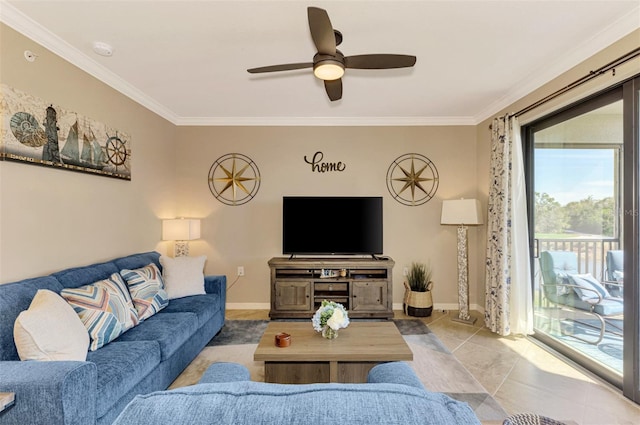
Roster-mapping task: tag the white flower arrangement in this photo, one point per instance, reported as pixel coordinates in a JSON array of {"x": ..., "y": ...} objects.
[{"x": 330, "y": 314}]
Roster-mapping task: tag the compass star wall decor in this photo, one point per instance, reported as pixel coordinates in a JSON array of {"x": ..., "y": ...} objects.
[
  {"x": 234, "y": 179},
  {"x": 412, "y": 179}
]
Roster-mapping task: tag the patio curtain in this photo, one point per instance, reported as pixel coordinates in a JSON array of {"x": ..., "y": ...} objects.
[{"x": 508, "y": 298}]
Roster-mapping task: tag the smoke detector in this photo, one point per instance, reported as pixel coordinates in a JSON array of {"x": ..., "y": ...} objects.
[{"x": 102, "y": 48}]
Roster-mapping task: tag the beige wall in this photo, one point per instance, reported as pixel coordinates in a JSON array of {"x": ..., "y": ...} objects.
[
  {"x": 51, "y": 219},
  {"x": 250, "y": 234}
]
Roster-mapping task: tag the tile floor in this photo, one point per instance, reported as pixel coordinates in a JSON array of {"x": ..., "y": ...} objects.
[{"x": 521, "y": 375}]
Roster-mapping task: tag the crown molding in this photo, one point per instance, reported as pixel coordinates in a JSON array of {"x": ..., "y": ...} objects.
[
  {"x": 326, "y": 121},
  {"x": 31, "y": 29},
  {"x": 544, "y": 74}
]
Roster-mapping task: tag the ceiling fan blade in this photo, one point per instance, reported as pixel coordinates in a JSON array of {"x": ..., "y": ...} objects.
[
  {"x": 334, "y": 89},
  {"x": 379, "y": 61},
  {"x": 283, "y": 67},
  {"x": 321, "y": 31}
]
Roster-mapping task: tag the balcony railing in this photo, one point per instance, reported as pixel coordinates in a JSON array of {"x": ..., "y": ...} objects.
[{"x": 591, "y": 252}]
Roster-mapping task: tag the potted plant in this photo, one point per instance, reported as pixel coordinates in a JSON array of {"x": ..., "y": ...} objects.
[{"x": 417, "y": 297}]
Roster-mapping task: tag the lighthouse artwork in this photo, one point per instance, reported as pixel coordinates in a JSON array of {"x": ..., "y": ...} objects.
[{"x": 37, "y": 132}]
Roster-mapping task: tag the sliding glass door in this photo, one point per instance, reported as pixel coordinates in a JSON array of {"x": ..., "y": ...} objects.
[{"x": 581, "y": 178}]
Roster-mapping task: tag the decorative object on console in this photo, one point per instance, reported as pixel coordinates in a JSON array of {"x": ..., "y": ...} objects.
[
  {"x": 90, "y": 146},
  {"x": 330, "y": 317},
  {"x": 182, "y": 231},
  {"x": 417, "y": 296},
  {"x": 183, "y": 276},
  {"x": 462, "y": 212},
  {"x": 413, "y": 172},
  {"x": 329, "y": 63},
  {"x": 237, "y": 174}
]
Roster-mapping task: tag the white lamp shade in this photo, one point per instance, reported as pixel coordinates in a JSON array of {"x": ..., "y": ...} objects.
[
  {"x": 180, "y": 229},
  {"x": 461, "y": 211}
]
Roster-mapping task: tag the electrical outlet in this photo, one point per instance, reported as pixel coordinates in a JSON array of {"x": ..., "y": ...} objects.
[
  {"x": 240, "y": 270},
  {"x": 405, "y": 271}
]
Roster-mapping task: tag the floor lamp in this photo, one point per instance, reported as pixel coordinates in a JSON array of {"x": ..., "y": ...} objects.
[
  {"x": 181, "y": 230},
  {"x": 462, "y": 212}
]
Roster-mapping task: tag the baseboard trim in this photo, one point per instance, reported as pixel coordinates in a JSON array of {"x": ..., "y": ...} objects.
[{"x": 396, "y": 306}]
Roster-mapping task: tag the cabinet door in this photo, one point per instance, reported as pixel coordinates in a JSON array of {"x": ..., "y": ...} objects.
[
  {"x": 369, "y": 296},
  {"x": 293, "y": 296}
]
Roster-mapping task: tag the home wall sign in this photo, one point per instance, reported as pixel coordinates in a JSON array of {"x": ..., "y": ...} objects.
[
  {"x": 412, "y": 179},
  {"x": 234, "y": 179},
  {"x": 323, "y": 167},
  {"x": 37, "y": 132}
]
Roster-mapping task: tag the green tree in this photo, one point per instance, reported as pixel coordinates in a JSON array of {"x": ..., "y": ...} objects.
[
  {"x": 550, "y": 216},
  {"x": 595, "y": 217}
]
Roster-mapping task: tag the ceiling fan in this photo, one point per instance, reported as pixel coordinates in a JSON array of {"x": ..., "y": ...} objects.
[{"x": 329, "y": 63}]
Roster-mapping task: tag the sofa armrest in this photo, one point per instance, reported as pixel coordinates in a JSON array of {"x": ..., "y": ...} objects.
[
  {"x": 51, "y": 392},
  {"x": 394, "y": 373},
  {"x": 225, "y": 372},
  {"x": 216, "y": 284}
]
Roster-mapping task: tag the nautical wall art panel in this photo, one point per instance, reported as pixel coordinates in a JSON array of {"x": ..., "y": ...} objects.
[{"x": 37, "y": 132}]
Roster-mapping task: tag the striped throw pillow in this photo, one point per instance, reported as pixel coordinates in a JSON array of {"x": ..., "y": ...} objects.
[
  {"x": 147, "y": 290},
  {"x": 104, "y": 308}
]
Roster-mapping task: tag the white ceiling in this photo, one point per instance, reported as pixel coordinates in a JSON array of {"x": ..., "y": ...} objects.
[{"x": 186, "y": 60}]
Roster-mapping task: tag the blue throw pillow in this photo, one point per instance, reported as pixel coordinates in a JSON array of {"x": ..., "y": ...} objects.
[
  {"x": 589, "y": 287},
  {"x": 618, "y": 276}
]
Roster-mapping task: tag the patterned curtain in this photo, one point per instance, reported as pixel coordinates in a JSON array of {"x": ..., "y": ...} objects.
[{"x": 509, "y": 307}]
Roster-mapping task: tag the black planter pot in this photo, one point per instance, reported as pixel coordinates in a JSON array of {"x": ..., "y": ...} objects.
[{"x": 418, "y": 312}]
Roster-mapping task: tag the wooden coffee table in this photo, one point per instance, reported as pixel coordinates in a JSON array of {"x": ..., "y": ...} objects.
[{"x": 311, "y": 358}]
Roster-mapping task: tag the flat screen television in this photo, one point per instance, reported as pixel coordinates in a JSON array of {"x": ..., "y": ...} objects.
[{"x": 331, "y": 225}]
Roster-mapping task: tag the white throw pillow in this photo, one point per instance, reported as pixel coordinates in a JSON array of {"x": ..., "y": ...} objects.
[
  {"x": 50, "y": 330},
  {"x": 183, "y": 276}
]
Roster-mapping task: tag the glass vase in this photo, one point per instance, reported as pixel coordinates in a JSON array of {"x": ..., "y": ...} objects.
[{"x": 329, "y": 333}]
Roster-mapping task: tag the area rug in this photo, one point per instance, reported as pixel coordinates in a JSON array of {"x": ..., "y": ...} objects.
[{"x": 434, "y": 364}]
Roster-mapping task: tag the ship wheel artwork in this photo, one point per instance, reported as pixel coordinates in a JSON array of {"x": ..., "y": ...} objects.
[
  {"x": 234, "y": 179},
  {"x": 116, "y": 151},
  {"x": 412, "y": 179}
]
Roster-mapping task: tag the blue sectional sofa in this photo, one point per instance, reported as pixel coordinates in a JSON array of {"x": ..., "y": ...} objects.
[
  {"x": 145, "y": 358},
  {"x": 225, "y": 395}
]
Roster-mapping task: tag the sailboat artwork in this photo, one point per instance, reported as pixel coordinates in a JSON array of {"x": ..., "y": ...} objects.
[
  {"x": 36, "y": 132},
  {"x": 92, "y": 154}
]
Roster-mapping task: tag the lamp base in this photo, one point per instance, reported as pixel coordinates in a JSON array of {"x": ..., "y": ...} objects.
[
  {"x": 181, "y": 249},
  {"x": 469, "y": 321}
]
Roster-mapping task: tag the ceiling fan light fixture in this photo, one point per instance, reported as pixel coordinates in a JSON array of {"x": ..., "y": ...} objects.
[{"x": 328, "y": 70}]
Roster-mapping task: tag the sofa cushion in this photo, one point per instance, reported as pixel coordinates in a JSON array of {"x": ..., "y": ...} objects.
[
  {"x": 15, "y": 298},
  {"x": 204, "y": 306},
  {"x": 249, "y": 402},
  {"x": 103, "y": 311},
  {"x": 147, "y": 290},
  {"x": 85, "y": 275},
  {"x": 121, "y": 365},
  {"x": 50, "y": 330},
  {"x": 609, "y": 306},
  {"x": 183, "y": 276},
  {"x": 168, "y": 330},
  {"x": 135, "y": 261}
]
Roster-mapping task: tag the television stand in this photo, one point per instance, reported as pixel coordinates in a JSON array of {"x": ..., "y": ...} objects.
[{"x": 364, "y": 286}]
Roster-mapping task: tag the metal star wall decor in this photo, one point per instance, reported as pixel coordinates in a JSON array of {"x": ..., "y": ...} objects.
[
  {"x": 412, "y": 179},
  {"x": 234, "y": 179}
]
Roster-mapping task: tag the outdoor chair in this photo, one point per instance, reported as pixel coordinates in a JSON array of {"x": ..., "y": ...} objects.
[
  {"x": 614, "y": 273},
  {"x": 564, "y": 286}
]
